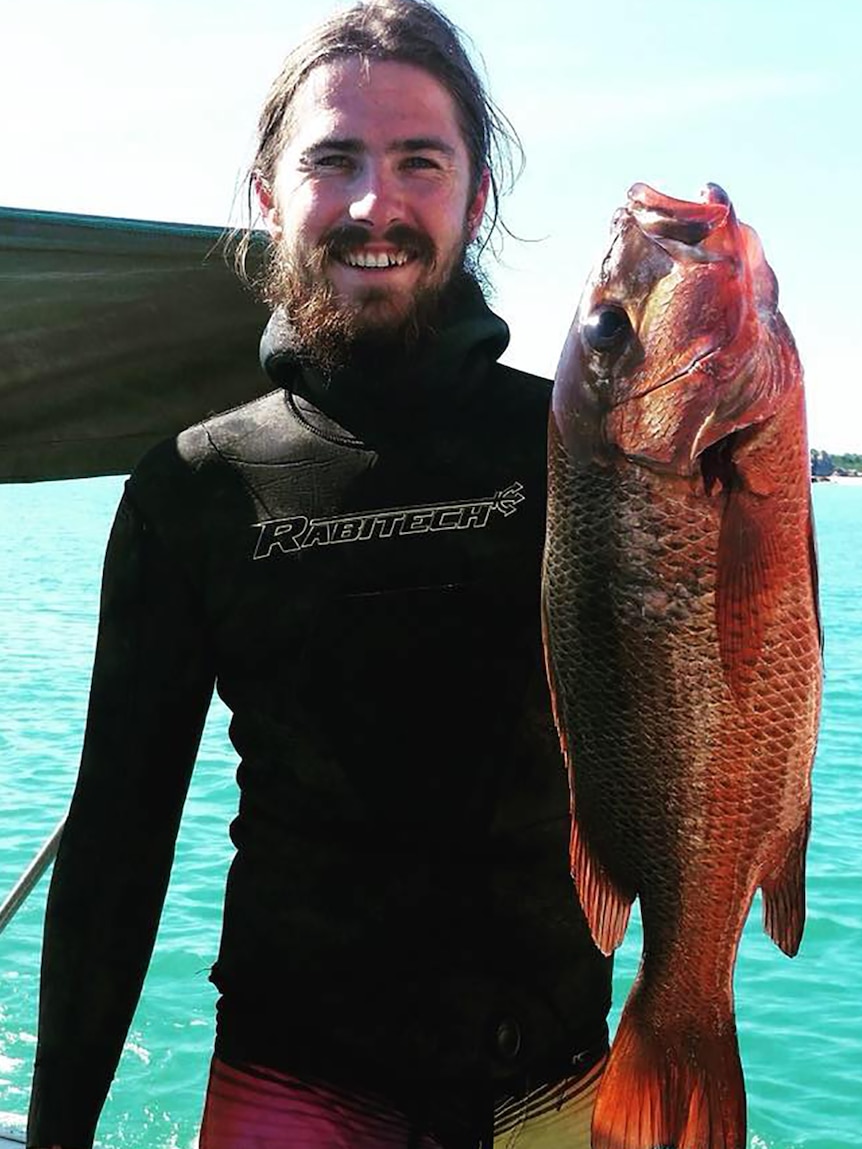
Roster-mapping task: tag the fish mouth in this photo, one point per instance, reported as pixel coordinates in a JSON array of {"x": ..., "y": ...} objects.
[
  {"x": 667, "y": 352},
  {"x": 655, "y": 234},
  {"x": 662, "y": 218}
]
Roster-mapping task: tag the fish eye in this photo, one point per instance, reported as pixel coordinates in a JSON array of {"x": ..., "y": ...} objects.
[{"x": 607, "y": 328}]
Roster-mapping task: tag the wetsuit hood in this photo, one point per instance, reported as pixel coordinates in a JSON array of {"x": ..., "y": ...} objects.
[{"x": 436, "y": 377}]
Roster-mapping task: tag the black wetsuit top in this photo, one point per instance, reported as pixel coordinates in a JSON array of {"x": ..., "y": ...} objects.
[{"x": 357, "y": 566}]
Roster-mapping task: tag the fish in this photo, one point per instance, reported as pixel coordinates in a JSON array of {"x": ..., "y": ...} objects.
[{"x": 683, "y": 643}]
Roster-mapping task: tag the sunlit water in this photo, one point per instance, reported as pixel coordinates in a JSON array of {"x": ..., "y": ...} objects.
[{"x": 800, "y": 1021}]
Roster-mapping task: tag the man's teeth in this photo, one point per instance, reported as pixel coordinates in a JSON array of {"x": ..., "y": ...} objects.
[{"x": 375, "y": 259}]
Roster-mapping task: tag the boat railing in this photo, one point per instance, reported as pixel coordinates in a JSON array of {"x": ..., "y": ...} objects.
[
  {"x": 13, "y": 1137},
  {"x": 30, "y": 878}
]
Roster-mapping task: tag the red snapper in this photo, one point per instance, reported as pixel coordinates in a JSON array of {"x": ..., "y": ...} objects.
[{"x": 683, "y": 643}]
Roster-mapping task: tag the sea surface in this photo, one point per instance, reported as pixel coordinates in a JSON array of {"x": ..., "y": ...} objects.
[{"x": 800, "y": 1020}]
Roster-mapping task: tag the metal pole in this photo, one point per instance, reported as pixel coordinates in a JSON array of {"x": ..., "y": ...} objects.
[{"x": 30, "y": 877}]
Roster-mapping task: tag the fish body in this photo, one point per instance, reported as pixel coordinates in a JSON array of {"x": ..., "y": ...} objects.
[{"x": 683, "y": 643}]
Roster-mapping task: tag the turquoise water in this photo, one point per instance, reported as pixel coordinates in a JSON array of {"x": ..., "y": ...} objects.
[{"x": 800, "y": 1021}]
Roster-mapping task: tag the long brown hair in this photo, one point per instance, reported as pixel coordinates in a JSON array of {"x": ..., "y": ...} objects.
[{"x": 410, "y": 32}]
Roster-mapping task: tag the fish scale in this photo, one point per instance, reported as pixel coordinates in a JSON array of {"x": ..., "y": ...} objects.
[
  {"x": 682, "y": 644},
  {"x": 628, "y": 661}
]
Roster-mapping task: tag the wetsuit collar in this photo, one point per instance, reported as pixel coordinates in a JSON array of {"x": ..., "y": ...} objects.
[{"x": 429, "y": 387}]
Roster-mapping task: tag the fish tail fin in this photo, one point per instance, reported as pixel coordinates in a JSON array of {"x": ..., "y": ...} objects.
[{"x": 676, "y": 1090}]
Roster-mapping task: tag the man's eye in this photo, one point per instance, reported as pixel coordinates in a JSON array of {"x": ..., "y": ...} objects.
[
  {"x": 333, "y": 161},
  {"x": 420, "y": 163}
]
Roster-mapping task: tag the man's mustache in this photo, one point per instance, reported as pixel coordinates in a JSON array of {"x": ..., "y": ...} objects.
[{"x": 348, "y": 238}]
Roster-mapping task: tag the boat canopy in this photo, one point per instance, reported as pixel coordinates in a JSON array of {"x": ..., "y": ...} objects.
[{"x": 114, "y": 335}]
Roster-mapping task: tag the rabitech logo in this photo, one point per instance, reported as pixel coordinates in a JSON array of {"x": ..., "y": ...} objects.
[{"x": 288, "y": 535}]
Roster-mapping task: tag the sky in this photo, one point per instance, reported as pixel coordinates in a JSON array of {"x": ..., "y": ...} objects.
[{"x": 146, "y": 109}]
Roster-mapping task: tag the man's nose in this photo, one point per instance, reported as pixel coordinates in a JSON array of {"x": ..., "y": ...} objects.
[{"x": 377, "y": 200}]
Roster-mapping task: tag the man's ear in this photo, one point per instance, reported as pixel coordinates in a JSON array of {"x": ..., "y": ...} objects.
[
  {"x": 268, "y": 208},
  {"x": 476, "y": 210}
]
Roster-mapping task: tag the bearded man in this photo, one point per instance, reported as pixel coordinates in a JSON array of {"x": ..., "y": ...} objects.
[{"x": 354, "y": 560}]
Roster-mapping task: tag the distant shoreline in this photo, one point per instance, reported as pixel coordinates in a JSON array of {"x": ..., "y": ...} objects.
[{"x": 849, "y": 480}]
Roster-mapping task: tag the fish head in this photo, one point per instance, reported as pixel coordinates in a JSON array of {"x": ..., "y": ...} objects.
[{"x": 677, "y": 340}]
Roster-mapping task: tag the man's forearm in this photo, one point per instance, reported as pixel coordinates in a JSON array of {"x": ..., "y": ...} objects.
[{"x": 148, "y": 701}]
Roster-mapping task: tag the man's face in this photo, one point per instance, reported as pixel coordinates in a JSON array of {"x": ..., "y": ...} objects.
[{"x": 371, "y": 204}]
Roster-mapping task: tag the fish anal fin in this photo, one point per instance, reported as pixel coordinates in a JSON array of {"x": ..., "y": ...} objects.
[
  {"x": 746, "y": 584},
  {"x": 551, "y": 677},
  {"x": 784, "y": 892},
  {"x": 605, "y": 906},
  {"x": 675, "y": 1088},
  {"x": 606, "y": 909}
]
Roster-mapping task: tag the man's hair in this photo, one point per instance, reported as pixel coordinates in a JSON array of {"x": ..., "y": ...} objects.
[{"x": 407, "y": 32}]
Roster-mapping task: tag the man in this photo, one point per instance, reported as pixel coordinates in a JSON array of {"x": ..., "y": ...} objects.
[{"x": 355, "y": 560}]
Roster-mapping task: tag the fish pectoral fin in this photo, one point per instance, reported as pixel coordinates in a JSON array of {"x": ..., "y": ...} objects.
[
  {"x": 784, "y": 892},
  {"x": 748, "y": 569},
  {"x": 605, "y": 906}
]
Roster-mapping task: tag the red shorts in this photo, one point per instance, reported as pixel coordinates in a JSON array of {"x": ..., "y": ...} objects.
[{"x": 257, "y": 1108}]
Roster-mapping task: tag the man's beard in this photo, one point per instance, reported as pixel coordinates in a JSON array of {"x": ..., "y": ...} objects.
[{"x": 382, "y": 327}]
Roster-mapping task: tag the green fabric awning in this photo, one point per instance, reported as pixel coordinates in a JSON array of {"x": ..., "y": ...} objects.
[{"x": 115, "y": 334}]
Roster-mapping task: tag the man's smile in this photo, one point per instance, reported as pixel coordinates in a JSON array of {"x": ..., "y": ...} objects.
[{"x": 375, "y": 259}]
